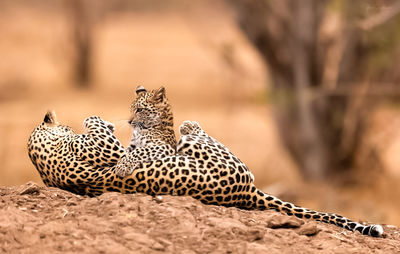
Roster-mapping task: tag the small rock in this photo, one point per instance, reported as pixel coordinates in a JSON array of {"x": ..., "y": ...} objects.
[
  {"x": 158, "y": 199},
  {"x": 71, "y": 203},
  {"x": 255, "y": 235},
  {"x": 29, "y": 188},
  {"x": 157, "y": 246},
  {"x": 309, "y": 229},
  {"x": 164, "y": 241},
  {"x": 284, "y": 222}
]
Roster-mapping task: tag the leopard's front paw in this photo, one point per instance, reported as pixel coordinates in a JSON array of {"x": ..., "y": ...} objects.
[
  {"x": 110, "y": 126},
  {"x": 122, "y": 171},
  {"x": 96, "y": 122},
  {"x": 91, "y": 121},
  {"x": 190, "y": 128},
  {"x": 124, "y": 167}
]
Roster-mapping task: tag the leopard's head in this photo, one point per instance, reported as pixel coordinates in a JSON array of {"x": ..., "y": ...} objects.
[
  {"x": 151, "y": 109},
  {"x": 46, "y": 138},
  {"x": 52, "y": 127}
]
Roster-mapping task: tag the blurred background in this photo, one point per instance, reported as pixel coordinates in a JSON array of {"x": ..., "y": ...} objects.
[{"x": 306, "y": 92}]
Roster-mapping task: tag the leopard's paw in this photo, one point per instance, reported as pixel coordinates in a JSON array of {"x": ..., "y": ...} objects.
[
  {"x": 91, "y": 121},
  {"x": 190, "y": 128},
  {"x": 110, "y": 126},
  {"x": 96, "y": 122},
  {"x": 124, "y": 167}
]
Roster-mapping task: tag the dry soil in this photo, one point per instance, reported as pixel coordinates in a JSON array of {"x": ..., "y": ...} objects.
[{"x": 35, "y": 219}]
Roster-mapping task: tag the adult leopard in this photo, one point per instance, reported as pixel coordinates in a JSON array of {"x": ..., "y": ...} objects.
[
  {"x": 202, "y": 168},
  {"x": 73, "y": 161}
]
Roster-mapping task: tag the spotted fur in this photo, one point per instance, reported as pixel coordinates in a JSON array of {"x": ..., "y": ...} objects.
[
  {"x": 151, "y": 119},
  {"x": 73, "y": 161},
  {"x": 203, "y": 168},
  {"x": 153, "y": 130}
]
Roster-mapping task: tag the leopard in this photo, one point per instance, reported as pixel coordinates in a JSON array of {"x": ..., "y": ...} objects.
[
  {"x": 202, "y": 168},
  {"x": 217, "y": 177},
  {"x": 151, "y": 119},
  {"x": 153, "y": 134},
  {"x": 68, "y": 160}
]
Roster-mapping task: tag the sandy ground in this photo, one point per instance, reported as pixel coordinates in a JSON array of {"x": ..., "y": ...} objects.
[
  {"x": 212, "y": 75},
  {"x": 36, "y": 219}
]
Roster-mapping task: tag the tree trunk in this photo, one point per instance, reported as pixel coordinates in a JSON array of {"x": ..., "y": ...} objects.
[
  {"x": 310, "y": 65},
  {"x": 82, "y": 41},
  {"x": 313, "y": 152}
]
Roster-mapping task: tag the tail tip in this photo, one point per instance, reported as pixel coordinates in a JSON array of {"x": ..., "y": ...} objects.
[{"x": 376, "y": 230}]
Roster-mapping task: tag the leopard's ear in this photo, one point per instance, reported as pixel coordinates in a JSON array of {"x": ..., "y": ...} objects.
[
  {"x": 140, "y": 89},
  {"x": 159, "y": 95},
  {"x": 50, "y": 118}
]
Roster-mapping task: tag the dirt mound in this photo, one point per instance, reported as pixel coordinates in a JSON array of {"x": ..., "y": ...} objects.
[{"x": 37, "y": 219}]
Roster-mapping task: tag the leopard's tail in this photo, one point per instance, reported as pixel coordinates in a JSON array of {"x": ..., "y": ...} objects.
[{"x": 261, "y": 200}]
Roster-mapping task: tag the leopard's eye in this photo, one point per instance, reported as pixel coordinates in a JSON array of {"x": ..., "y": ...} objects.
[{"x": 139, "y": 110}]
